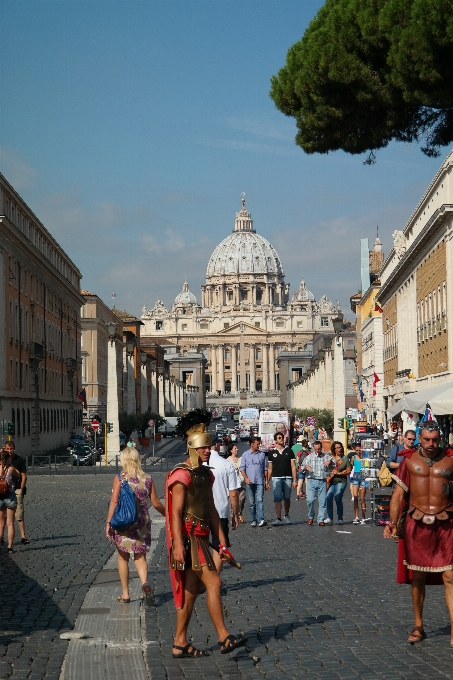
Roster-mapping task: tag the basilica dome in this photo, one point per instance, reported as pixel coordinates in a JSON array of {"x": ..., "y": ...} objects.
[
  {"x": 303, "y": 294},
  {"x": 185, "y": 297},
  {"x": 244, "y": 251}
]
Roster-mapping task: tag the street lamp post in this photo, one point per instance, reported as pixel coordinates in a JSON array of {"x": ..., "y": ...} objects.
[
  {"x": 113, "y": 437},
  {"x": 338, "y": 379}
]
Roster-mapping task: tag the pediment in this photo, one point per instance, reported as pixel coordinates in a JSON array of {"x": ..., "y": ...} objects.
[{"x": 235, "y": 329}]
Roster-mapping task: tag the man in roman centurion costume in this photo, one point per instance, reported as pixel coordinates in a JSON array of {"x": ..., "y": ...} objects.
[
  {"x": 190, "y": 516},
  {"x": 421, "y": 513}
]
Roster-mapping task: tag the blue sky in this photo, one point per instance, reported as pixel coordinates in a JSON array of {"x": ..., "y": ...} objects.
[{"x": 131, "y": 129}]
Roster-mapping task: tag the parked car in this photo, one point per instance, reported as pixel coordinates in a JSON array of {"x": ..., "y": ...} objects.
[
  {"x": 169, "y": 427},
  {"x": 84, "y": 454},
  {"x": 75, "y": 439}
]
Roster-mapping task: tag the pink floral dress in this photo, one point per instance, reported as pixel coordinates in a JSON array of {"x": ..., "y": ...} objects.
[{"x": 136, "y": 538}]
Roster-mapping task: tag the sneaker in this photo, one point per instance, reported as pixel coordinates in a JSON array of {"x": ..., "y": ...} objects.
[
  {"x": 253, "y": 524},
  {"x": 363, "y": 521},
  {"x": 352, "y": 499},
  {"x": 340, "y": 521},
  {"x": 277, "y": 522},
  {"x": 328, "y": 521},
  {"x": 287, "y": 519},
  {"x": 356, "y": 521},
  {"x": 262, "y": 523}
]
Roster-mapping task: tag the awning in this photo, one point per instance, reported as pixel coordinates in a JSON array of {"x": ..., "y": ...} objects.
[{"x": 439, "y": 397}]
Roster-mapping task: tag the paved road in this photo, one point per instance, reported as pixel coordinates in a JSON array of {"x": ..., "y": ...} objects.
[{"x": 314, "y": 603}]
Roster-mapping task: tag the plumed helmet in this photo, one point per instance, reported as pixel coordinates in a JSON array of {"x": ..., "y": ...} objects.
[{"x": 192, "y": 426}]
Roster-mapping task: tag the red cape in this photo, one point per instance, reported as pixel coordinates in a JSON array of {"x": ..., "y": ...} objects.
[
  {"x": 176, "y": 576},
  {"x": 403, "y": 574}
]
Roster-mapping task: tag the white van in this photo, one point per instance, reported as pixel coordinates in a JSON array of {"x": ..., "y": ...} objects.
[{"x": 168, "y": 428}]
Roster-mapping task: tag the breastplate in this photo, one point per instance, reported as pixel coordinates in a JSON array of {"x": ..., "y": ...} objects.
[
  {"x": 197, "y": 504},
  {"x": 430, "y": 486}
]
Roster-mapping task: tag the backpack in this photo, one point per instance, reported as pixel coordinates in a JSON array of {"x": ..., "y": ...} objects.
[
  {"x": 4, "y": 488},
  {"x": 385, "y": 476},
  {"x": 126, "y": 511}
]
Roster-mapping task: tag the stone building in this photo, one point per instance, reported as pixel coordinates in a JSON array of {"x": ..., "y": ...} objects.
[
  {"x": 415, "y": 295},
  {"x": 40, "y": 340},
  {"x": 246, "y": 319}
]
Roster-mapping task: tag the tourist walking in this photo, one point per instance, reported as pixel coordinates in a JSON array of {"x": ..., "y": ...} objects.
[
  {"x": 301, "y": 450},
  {"x": 9, "y": 477},
  {"x": 235, "y": 461},
  {"x": 317, "y": 465},
  {"x": 359, "y": 485},
  {"x": 254, "y": 469},
  {"x": 191, "y": 514},
  {"x": 19, "y": 464},
  {"x": 337, "y": 482},
  {"x": 282, "y": 472},
  {"x": 422, "y": 507},
  {"x": 135, "y": 540},
  {"x": 225, "y": 491},
  {"x": 395, "y": 458}
]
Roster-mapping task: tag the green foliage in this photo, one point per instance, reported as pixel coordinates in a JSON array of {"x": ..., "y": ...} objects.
[
  {"x": 324, "y": 416},
  {"x": 144, "y": 417},
  {"x": 128, "y": 422},
  {"x": 369, "y": 71}
]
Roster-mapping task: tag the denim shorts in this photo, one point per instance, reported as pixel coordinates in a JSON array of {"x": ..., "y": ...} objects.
[
  {"x": 282, "y": 489},
  {"x": 8, "y": 502},
  {"x": 360, "y": 482},
  {"x": 300, "y": 474}
]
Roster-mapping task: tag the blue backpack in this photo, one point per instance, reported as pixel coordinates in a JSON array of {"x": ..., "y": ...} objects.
[{"x": 126, "y": 511}]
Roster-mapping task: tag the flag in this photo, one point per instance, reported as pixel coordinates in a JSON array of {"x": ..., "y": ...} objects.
[
  {"x": 377, "y": 308},
  {"x": 376, "y": 379},
  {"x": 83, "y": 398}
]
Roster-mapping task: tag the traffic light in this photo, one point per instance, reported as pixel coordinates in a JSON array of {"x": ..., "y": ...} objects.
[
  {"x": 340, "y": 423},
  {"x": 349, "y": 423},
  {"x": 109, "y": 427},
  {"x": 11, "y": 428}
]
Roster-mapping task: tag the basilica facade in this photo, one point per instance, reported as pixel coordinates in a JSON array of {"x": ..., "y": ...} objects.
[{"x": 246, "y": 318}]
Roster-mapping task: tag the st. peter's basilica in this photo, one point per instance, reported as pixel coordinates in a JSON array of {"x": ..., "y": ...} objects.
[{"x": 246, "y": 318}]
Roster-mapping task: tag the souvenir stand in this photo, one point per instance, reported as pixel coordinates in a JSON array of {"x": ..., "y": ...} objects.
[{"x": 371, "y": 451}]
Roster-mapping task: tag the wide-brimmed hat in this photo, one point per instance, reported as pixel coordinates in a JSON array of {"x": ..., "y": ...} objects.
[{"x": 300, "y": 438}]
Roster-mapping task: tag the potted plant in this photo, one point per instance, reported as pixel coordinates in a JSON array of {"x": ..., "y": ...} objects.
[
  {"x": 128, "y": 422},
  {"x": 143, "y": 421}
]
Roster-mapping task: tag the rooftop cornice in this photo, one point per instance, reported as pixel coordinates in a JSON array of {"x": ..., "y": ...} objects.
[{"x": 435, "y": 222}]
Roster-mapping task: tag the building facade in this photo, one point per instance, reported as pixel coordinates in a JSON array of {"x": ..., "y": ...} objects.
[
  {"x": 246, "y": 319},
  {"x": 416, "y": 293},
  {"x": 40, "y": 344}
]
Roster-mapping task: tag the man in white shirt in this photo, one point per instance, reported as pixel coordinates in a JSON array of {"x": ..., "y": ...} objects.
[{"x": 224, "y": 490}]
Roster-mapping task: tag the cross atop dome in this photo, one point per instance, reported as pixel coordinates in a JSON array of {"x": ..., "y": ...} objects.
[{"x": 243, "y": 220}]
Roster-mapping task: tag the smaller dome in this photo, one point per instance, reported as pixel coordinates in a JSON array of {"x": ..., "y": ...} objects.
[
  {"x": 185, "y": 297},
  {"x": 303, "y": 294}
]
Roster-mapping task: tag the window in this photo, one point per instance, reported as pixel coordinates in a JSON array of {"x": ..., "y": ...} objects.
[
  {"x": 279, "y": 324},
  {"x": 204, "y": 326},
  {"x": 350, "y": 344},
  {"x": 257, "y": 324},
  {"x": 227, "y": 355},
  {"x": 258, "y": 353},
  {"x": 244, "y": 295},
  {"x": 229, "y": 295},
  {"x": 184, "y": 327},
  {"x": 299, "y": 324},
  {"x": 159, "y": 325},
  {"x": 259, "y": 295},
  {"x": 324, "y": 321},
  {"x": 226, "y": 324}
]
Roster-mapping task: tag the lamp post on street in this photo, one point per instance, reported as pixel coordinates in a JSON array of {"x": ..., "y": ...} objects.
[
  {"x": 338, "y": 379},
  {"x": 113, "y": 437}
]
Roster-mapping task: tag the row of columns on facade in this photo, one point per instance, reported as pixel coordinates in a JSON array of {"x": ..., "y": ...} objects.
[
  {"x": 215, "y": 295},
  {"x": 315, "y": 389},
  {"x": 218, "y": 365}
]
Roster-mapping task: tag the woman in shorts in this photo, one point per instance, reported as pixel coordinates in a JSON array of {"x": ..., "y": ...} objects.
[
  {"x": 9, "y": 476},
  {"x": 358, "y": 488}
]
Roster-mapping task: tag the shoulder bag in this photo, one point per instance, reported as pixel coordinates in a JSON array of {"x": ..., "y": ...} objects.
[
  {"x": 126, "y": 511},
  {"x": 385, "y": 476}
]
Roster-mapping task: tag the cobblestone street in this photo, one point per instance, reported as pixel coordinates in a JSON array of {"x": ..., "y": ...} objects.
[{"x": 314, "y": 602}]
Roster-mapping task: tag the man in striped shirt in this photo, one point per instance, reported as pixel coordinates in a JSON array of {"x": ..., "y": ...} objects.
[{"x": 317, "y": 465}]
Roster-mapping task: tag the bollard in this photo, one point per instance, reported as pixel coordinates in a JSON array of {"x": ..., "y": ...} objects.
[
  {"x": 78, "y": 466},
  {"x": 116, "y": 463}
]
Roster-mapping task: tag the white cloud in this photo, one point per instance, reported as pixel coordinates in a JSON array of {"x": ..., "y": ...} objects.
[{"x": 16, "y": 170}]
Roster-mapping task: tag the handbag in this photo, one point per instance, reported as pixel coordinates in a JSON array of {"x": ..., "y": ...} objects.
[
  {"x": 126, "y": 511},
  {"x": 385, "y": 476}
]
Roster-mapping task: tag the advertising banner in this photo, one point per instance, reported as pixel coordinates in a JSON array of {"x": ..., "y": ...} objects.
[
  {"x": 248, "y": 418},
  {"x": 270, "y": 423}
]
